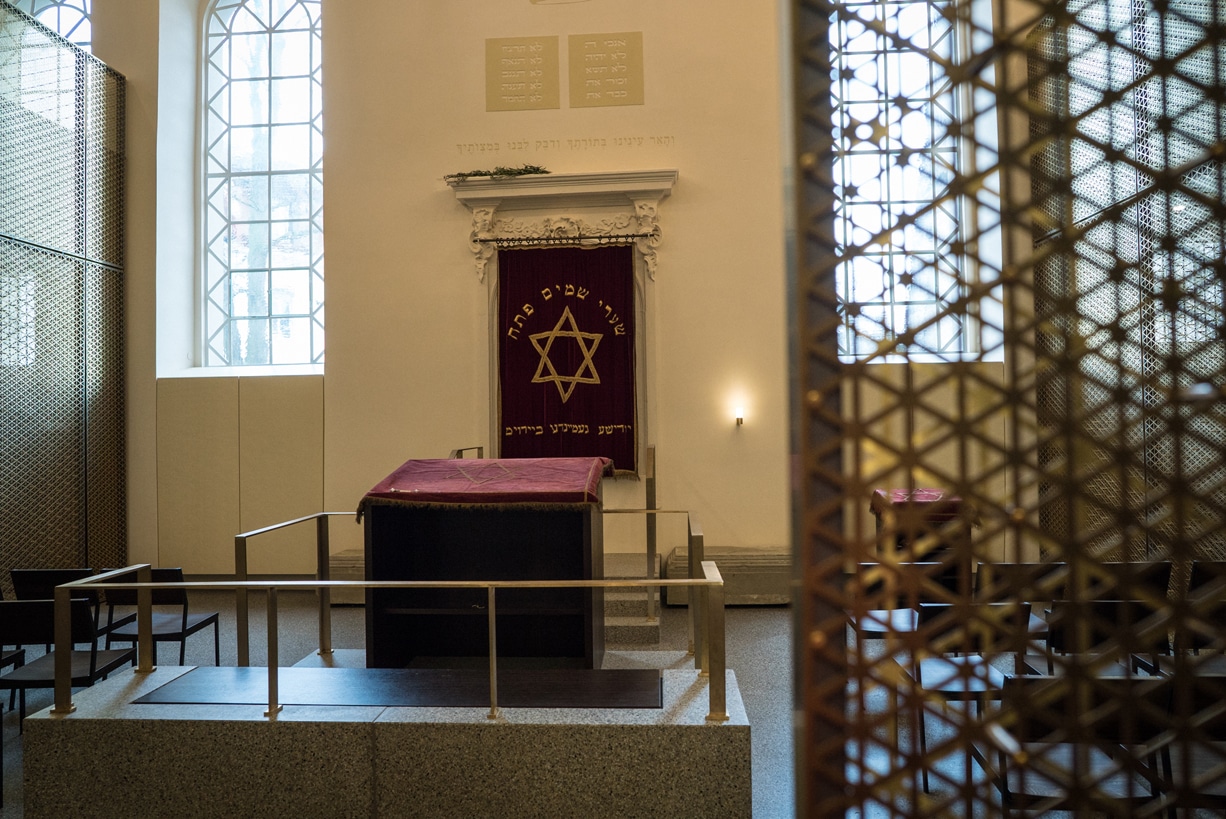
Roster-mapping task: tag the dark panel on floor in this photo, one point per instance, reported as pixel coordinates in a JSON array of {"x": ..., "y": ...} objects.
[{"x": 431, "y": 688}]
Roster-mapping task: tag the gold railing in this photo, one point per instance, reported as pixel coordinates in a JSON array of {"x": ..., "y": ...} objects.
[
  {"x": 695, "y": 550},
  {"x": 710, "y": 656},
  {"x": 323, "y": 567},
  {"x": 322, "y": 573}
]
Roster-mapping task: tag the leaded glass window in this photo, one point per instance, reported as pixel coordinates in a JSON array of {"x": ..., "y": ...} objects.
[
  {"x": 67, "y": 18},
  {"x": 896, "y": 152},
  {"x": 263, "y": 260}
]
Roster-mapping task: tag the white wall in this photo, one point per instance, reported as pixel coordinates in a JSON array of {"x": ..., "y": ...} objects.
[{"x": 407, "y": 324}]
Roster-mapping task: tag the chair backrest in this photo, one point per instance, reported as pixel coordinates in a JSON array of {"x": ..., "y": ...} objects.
[
  {"x": 1110, "y": 627},
  {"x": 1031, "y": 582},
  {"x": 39, "y": 584},
  {"x": 1208, "y": 579},
  {"x": 31, "y": 622},
  {"x": 161, "y": 597},
  {"x": 1201, "y": 629},
  {"x": 1127, "y": 580},
  {"x": 905, "y": 584},
  {"x": 1125, "y": 709},
  {"x": 990, "y": 629}
]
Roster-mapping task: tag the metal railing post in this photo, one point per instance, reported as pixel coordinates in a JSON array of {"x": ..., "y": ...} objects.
[
  {"x": 716, "y": 648},
  {"x": 144, "y": 621},
  {"x": 63, "y": 652},
  {"x": 493, "y": 714},
  {"x": 274, "y": 703},
  {"x": 652, "y": 550},
  {"x": 697, "y": 595},
  {"x": 324, "y": 572},
  {"x": 240, "y": 602}
]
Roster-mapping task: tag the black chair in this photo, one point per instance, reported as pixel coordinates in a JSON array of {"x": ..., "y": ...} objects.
[
  {"x": 965, "y": 641},
  {"x": 168, "y": 626},
  {"x": 1124, "y": 580},
  {"x": 1101, "y": 636},
  {"x": 1193, "y": 777},
  {"x": 15, "y": 658},
  {"x": 1200, "y": 628},
  {"x": 1035, "y": 583},
  {"x": 892, "y": 593},
  {"x": 32, "y": 622},
  {"x": 1087, "y": 746},
  {"x": 39, "y": 584}
]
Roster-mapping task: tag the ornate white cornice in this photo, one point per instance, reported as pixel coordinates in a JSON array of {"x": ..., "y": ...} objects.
[{"x": 630, "y": 201}]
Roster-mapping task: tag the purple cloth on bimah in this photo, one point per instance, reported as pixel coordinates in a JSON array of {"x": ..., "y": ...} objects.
[
  {"x": 929, "y": 505},
  {"x": 483, "y": 481}
]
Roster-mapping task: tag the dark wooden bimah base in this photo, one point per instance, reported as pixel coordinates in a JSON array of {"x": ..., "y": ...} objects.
[
  {"x": 406, "y": 543},
  {"x": 507, "y": 519}
]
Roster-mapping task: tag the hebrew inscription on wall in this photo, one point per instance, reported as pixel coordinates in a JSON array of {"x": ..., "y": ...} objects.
[
  {"x": 606, "y": 69},
  {"x": 521, "y": 74}
]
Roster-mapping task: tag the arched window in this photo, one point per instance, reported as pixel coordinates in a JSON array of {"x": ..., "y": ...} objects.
[
  {"x": 67, "y": 18},
  {"x": 263, "y": 180},
  {"x": 901, "y": 227}
]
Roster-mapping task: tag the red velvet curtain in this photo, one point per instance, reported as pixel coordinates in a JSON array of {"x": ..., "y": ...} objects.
[{"x": 566, "y": 354}]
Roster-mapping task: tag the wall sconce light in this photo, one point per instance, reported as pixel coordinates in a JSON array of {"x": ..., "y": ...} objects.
[{"x": 740, "y": 416}]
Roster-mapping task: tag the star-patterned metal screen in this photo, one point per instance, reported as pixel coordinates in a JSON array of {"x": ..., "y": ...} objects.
[
  {"x": 566, "y": 353},
  {"x": 62, "y": 461},
  {"x": 1028, "y": 615}
]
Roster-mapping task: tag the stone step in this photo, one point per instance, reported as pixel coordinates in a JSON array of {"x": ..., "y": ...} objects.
[
  {"x": 631, "y": 631},
  {"x": 618, "y": 565},
  {"x": 348, "y": 565},
  {"x": 625, "y": 604},
  {"x": 753, "y": 576}
]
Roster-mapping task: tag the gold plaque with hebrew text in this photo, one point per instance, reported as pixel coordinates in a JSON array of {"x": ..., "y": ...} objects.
[
  {"x": 522, "y": 74},
  {"x": 606, "y": 69}
]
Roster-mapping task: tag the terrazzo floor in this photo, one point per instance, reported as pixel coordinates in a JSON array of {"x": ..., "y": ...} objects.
[{"x": 758, "y": 650}]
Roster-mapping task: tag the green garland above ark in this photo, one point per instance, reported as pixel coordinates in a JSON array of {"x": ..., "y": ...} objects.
[{"x": 500, "y": 171}]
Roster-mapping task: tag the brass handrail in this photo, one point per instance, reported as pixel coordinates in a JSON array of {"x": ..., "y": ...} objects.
[
  {"x": 696, "y": 555},
  {"x": 322, "y": 572},
  {"x": 711, "y": 659}
]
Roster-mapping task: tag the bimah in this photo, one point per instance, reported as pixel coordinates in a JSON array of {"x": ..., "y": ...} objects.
[{"x": 489, "y": 519}]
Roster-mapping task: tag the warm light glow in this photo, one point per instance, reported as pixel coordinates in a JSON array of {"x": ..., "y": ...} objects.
[{"x": 740, "y": 416}]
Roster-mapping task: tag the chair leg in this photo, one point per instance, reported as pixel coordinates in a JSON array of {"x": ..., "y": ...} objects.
[{"x": 216, "y": 646}]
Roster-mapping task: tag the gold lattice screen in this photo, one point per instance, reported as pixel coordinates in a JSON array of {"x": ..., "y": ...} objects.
[{"x": 1009, "y": 319}]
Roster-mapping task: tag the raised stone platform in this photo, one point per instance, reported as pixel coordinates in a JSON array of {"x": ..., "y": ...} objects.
[{"x": 210, "y": 760}]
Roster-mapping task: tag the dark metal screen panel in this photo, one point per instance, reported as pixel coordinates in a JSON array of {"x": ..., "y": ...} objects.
[
  {"x": 39, "y": 169},
  {"x": 103, "y": 163},
  {"x": 62, "y": 476},
  {"x": 105, "y": 472},
  {"x": 41, "y": 411}
]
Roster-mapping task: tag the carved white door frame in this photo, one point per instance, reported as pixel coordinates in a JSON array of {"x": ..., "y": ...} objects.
[{"x": 568, "y": 210}]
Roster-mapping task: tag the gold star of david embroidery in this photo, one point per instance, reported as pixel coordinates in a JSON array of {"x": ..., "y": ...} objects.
[{"x": 588, "y": 342}]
